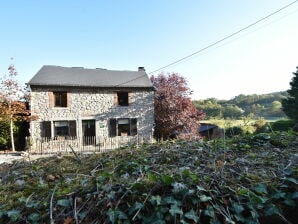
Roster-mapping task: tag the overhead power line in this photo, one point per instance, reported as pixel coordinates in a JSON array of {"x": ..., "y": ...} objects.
[
  {"x": 225, "y": 38},
  {"x": 213, "y": 44}
]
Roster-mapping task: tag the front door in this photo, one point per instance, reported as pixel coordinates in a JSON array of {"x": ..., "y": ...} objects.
[{"x": 88, "y": 127}]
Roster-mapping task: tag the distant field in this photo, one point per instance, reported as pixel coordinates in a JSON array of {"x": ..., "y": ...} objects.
[{"x": 226, "y": 123}]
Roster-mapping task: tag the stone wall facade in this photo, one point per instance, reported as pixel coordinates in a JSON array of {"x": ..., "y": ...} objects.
[{"x": 92, "y": 104}]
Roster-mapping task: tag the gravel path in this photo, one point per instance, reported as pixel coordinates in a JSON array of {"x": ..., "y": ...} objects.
[{"x": 10, "y": 157}]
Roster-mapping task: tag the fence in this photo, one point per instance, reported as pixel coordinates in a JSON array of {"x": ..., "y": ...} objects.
[{"x": 82, "y": 144}]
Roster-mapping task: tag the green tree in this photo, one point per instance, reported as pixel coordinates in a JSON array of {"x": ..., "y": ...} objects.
[
  {"x": 210, "y": 106},
  {"x": 211, "y": 110},
  {"x": 290, "y": 104},
  {"x": 276, "y": 109},
  {"x": 275, "y": 105},
  {"x": 232, "y": 111}
]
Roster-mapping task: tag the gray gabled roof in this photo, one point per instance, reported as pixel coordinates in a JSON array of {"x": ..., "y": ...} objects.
[{"x": 50, "y": 75}]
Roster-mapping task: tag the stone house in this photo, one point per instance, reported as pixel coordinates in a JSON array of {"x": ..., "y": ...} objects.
[{"x": 75, "y": 103}]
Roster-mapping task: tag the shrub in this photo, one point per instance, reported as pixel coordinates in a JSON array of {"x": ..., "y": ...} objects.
[
  {"x": 21, "y": 130},
  {"x": 282, "y": 125},
  {"x": 4, "y": 135},
  {"x": 261, "y": 125},
  {"x": 233, "y": 131}
]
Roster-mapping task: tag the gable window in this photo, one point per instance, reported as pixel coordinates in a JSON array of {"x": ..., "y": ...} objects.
[
  {"x": 122, "y": 98},
  {"x": 65, "y": 128},
  {"x": 60, "y": 99},
  {"x": 122, "y": 127}
]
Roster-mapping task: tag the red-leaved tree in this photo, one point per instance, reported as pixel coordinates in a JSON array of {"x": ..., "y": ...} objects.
[
  {"x": 12, "y": 108},
  {"x": 174, "y": 111}
]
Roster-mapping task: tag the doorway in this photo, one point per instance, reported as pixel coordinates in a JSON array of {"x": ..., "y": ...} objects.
[{"x": 88, "y": 129}]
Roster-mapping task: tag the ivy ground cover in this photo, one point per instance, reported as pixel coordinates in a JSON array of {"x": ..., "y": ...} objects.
[{"x": 250, "y": 179}]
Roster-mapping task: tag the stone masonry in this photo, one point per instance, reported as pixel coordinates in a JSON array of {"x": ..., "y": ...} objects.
[{"x": 92, "y": 103}]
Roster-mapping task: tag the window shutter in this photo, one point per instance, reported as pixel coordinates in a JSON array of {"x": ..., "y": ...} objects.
[
  {"x": 51, "y": 99},
  {"x": 68, "y": 99},
  {"x": 129, "y": 98},
  {"x": 46, "y": 129},
  {"x": 112, "y": 127},
  {"x": 115, "y": 99},
  {"x": 133, "y": 126},
  {"x": 72, "y": 128}
]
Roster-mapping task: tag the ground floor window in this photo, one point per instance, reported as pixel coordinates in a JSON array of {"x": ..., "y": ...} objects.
[
  {"x": 60, "y": 128},
  {"x": 122, "y": 127},
  {"x": 65, "y": 128}
]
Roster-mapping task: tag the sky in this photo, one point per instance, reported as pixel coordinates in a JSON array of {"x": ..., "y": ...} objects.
[{"x": 124, "y": 35}]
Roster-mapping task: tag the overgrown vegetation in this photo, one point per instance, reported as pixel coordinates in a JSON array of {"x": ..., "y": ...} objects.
[
  {"x": 282, "y": 125},
  {"x": 251, "y": 179},
  {"x": 249, "y": 125}
]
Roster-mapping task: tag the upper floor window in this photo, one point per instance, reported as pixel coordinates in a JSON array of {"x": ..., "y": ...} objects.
[
  {"x": 60, "y": 99},
  {"x": 122, "y": 98}
]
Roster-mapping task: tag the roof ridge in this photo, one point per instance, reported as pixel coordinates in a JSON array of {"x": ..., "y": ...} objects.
[{"x": 96, "y": 68}]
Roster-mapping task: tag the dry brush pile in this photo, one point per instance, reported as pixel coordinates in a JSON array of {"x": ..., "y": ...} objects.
[{"x": 251, "y": 179}]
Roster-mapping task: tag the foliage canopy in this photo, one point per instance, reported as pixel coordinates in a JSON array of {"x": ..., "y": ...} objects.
[
  {"x": 174, "y": 110},
  {"x": 290, "y": 104}
]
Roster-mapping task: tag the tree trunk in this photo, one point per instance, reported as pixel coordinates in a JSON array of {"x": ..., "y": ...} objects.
[{"x": 11, "y": 135}]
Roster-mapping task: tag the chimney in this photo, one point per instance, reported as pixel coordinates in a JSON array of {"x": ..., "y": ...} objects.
[{"x": 141, "y": 69}]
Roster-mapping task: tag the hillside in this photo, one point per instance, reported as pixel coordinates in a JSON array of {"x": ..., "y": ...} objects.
[
  {"x": 252, "y": 179},
  {"x": 265, "y": 105}
]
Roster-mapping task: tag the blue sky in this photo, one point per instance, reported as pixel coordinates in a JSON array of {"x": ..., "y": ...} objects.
[{"x": 123, "y": 35}]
